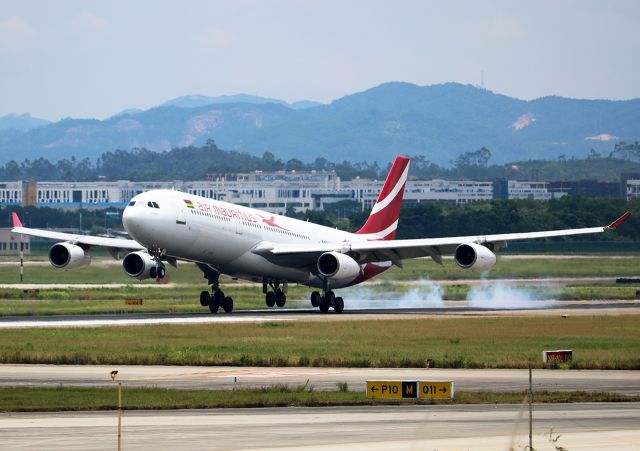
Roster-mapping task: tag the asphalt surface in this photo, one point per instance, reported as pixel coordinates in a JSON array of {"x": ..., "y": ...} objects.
[
  {"x": 358, "y": 311},
  {"x": 226, "y": 378},
  {"x": 478, "y": 427}
]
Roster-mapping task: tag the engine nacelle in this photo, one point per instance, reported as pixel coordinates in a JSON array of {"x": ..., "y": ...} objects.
[
  {"x": 337, "y": 266},
  {"x": 475, "y": 257},
  {"x": 68, "y": 256},
  {"x": 138, "y": 264}
]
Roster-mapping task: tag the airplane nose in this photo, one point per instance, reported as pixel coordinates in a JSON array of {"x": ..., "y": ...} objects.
[{"x": 130, "y": 220}]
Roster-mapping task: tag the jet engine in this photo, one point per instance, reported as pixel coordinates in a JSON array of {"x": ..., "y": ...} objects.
[
  {"x": 337, "y": 266},
  {"x": 475, "y": 257},
  {"x": 68, "y": 256},
  {"x": 139, "y": 265}
]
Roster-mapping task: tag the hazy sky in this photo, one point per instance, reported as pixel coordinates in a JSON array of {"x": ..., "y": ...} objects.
[{"x": 96, "y": 58}]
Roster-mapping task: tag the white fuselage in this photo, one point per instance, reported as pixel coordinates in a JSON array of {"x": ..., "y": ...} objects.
[{"x": 224, "y": 235}]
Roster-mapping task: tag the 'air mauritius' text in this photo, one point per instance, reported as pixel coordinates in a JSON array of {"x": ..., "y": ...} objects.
[{"x": 229, "y": 213}]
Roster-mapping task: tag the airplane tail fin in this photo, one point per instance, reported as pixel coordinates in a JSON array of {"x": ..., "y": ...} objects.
[
  {"x": 383, "y": 219},
  {"x": 15, "y": 220}
]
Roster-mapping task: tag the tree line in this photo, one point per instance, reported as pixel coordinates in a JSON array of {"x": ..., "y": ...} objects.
[{"x": 193, "y": 163}]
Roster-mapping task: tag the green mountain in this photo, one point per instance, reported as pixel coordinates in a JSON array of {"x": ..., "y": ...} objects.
[{"x": 439, "y": 121}]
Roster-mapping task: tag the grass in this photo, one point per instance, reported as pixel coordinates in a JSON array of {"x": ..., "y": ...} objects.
[
  {"x": 156, "y": 299},
  {"x": 598, "y": 342},
  {"x": 74, "y": 399}
]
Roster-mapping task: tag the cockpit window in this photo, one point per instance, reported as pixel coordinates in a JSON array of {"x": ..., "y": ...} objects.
[
  {"x": 149, "y": 204},
  {"x": 152, "y": 205},
  {"x": 132, "y": 203},
  {"x": 155, "y": 205}
]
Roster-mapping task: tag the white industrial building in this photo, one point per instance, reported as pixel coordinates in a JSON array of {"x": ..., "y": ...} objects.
[
  {"x": 273, "y": 191},
  {"x": 632, "y": 189}
]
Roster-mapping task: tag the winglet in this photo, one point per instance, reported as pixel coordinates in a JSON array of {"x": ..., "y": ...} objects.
[
  {"x": 615, "y": 224},
  {"x": 15, "y": 220}
]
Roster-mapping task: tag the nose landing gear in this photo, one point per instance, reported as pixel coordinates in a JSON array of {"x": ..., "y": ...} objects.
[{"x": 159, "y": 272}]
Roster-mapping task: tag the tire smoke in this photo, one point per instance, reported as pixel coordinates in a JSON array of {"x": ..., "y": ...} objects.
[
  {"x": 425, "y": 294},
  {"x": 497, "y": 295}
]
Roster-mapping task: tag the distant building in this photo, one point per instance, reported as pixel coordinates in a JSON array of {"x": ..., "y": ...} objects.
[
  {"x": 300, "y": 191},
  {"x": 586, "y": 188},
  {"x": 10, "y": 243},
  {"x": 515, "y": 189},
  {"x": 11, "y": 193},
  {"x": 630, "y": 186},
  {"x": 458, "y": 192},
  {"x": 632, "y": 189}
]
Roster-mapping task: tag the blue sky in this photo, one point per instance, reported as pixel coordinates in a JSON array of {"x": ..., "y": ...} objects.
[{"x": 94, "y": 59}]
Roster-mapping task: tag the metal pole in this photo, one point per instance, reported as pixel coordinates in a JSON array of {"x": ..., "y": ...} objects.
[
  {"x": 21, "y": 259},
  {"x": 119, "y": 416},
  {"x": 530, "y": 410}
]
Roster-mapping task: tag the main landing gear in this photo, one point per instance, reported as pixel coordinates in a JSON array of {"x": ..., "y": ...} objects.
[
  {"x": 216, "y": 299},
  {"x": 275, "y": 296},
  {"x": 326, "y": 301}
]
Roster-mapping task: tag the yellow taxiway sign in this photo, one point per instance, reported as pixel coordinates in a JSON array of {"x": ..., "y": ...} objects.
[
  {"x": 435, "y": 390},
  {"x": 410, "y": 389},
  {"x": 392, "y": 389}
]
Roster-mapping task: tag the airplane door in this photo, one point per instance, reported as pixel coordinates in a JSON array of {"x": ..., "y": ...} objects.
[{"x": 181, "y": 217}]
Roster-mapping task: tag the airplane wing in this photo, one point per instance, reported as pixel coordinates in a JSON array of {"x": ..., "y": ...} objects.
[
  {"x": 397, "y": 250},
  {"x": 110, "y": 243}
]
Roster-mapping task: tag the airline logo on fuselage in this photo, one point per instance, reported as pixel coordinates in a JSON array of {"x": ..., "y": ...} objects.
[
  {"x": 227, "y": 212},
  {"x": 207, "y": 207},
  {"x": 271, "y": 222}
]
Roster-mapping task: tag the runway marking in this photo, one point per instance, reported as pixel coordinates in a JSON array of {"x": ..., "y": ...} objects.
[
  {"x": 137, "y": 322},
  {"x": 250, "y": 374}
]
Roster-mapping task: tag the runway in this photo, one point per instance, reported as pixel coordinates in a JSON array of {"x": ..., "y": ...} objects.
[
  {"x": 227, "y": 378},
  {"x": 478, "y": 427},
  {"x": 374, "y": 310}
]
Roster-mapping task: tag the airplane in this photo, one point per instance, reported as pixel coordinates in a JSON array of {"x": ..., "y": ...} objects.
[{"x": 222, "y": 238}]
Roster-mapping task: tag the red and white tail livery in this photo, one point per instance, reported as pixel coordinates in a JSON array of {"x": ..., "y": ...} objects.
[
  {"x": 383, "y": 220},
  {"x": 222, "y": 238}
]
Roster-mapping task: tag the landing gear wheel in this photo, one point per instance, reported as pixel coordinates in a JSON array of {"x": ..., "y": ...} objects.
[
  {"x": 324, "y": 304},
  {"x": 270, "y": 299},
  {"x": 161, "y": 272},
  {"x": 281, "y": 298},
  {"x": 315, "y": 298},
  {"x": 227, "y": 304},
  {"x": 338, "y": 305},
  {"x": 216, "y": 301},
  {"x": 153, "y": 272},
  {"x": 205, "y": 298}
]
